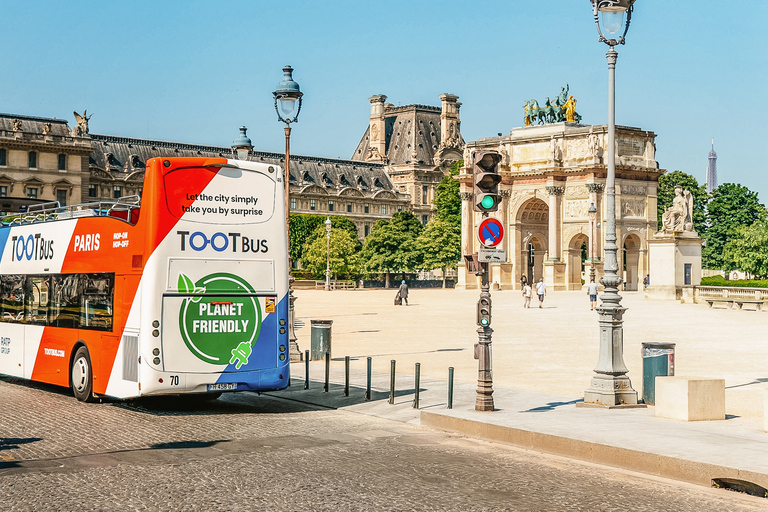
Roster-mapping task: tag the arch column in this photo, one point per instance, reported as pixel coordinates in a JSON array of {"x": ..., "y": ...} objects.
[
  {"x": 466, "y": 280},
  {"x": 595, "y": 197},
  {"x": 554, "y": 267}
]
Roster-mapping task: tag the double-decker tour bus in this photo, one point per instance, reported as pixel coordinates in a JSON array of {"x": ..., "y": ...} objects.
[{"x": 184, "y": 290}]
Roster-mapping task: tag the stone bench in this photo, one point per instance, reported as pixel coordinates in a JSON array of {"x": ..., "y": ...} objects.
[
  {"x": 739, "y": 302},
  {"x": 690, "y": 398}
]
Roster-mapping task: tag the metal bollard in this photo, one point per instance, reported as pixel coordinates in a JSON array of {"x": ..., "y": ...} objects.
[
  {"x": 392, "y": 383},
  {"x": 327, "y": 369},
  {"x": 417, "y": 386},
  {"x": 306, "y": 369},
  {"x": 346, "y": 375},
  {"x": 450, "y": 387},
  {"x": 368, "y": 383}
]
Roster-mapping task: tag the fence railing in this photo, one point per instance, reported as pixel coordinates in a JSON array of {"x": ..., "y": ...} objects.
[{"x": 729, "y": 292}]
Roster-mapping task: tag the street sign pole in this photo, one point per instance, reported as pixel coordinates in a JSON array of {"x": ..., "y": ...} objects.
[{"x": 484, "y": 398}]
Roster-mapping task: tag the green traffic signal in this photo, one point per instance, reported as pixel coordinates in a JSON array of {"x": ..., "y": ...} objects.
[{"x": 488, "y": 202}]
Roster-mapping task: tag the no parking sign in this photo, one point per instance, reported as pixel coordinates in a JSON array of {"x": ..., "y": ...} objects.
[{"x": 491, "y": 232}]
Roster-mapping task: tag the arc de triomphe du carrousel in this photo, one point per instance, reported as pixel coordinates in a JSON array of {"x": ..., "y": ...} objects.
[{"x": 551, "y": 174}]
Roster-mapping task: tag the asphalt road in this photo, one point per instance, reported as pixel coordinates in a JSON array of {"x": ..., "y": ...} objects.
[{"x": 251, "y": 452}]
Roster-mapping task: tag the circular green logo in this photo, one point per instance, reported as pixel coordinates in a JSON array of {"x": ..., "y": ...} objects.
[{"x": 221, "y": 326}]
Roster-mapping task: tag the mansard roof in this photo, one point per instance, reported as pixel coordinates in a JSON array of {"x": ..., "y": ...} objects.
[
  {"x": 412, "y": 135},
  {"x": 126, "y": 155},
  {"x": 30, "y": 124}
]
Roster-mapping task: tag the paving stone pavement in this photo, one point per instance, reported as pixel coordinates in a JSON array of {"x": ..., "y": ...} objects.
[{"x": 250, "y": 452}]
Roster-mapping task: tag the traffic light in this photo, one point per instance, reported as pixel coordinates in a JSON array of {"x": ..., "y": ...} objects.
[
  {"x": 484, "y": 310},
  {"x": 486, "y": 179}
]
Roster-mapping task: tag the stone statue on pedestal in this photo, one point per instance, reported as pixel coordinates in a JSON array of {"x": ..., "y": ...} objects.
[{"x": 679, "y": 216}]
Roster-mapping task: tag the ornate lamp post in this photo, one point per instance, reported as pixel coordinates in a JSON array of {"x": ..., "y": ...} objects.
[
  {"x": 288, "y": 96},
  {"x": 328, "y": 254},
  {"x": 610, "y": 385},
  {"x": 242, "y": 146},
  {"x": 592, "y": 215}
]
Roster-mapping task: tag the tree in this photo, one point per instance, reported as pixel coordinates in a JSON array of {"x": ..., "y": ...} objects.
[
  {"x": 731, "y": 206},
  {"x": 440, "y": 245},
  {"x": 304, "y": 230},
  {"x": 391, "y": 245},
  {"x": 666, "y": 193},
  {"x": 748, "y": 250},
  {"x": 447, "y": 197},
  {"x": 343, "y": 259}
]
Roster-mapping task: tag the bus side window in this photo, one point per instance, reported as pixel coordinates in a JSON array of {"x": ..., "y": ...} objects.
[
  {"x": 96, "y": 310},
  {"x": 65, "y": 305},
  {"x": 12, "y": 298},
  {"x": 36, "y": 294}
]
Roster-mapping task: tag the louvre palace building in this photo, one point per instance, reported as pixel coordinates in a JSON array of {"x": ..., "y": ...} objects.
[{"x": 401, "y": 158}]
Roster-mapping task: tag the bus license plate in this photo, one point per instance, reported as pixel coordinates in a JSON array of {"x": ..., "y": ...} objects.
[{"x": 222, "y": 386}]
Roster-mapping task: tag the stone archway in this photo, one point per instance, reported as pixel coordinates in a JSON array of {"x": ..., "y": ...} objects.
[
  {"x": 575, "y": 257},
  {"x": 532, "y": 221},
  {"x": 631, "y": 262}
]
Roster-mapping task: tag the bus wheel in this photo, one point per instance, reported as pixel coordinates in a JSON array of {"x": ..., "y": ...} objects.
[{"x": 81, "y": 376}]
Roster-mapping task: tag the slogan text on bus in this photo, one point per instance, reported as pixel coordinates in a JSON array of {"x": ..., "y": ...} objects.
[{"x": 221, "y": 198}]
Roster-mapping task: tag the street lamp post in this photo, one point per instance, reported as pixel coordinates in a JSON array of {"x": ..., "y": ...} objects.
[
  {"x": 287, "y": 100},
  {"x": 242, "y": 146},
  {"x": 610, "y": 385},
  {"x": 592, "y": 216},
  {"x": 328, "y": 254}
]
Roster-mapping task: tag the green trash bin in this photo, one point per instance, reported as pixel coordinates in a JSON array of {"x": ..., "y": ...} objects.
[
  {"x": 658, "y": 360},
  {"x": 321, "y": 338}
]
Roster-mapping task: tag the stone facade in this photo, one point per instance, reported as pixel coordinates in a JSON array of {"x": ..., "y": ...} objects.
[
  {"x": 41, "y": 160},
  {"x": 550, "y": 176},
  {"x": 417, "y": 144}
]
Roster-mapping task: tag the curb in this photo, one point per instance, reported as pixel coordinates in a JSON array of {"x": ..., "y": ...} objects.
[{"x": 700, "y": 473}]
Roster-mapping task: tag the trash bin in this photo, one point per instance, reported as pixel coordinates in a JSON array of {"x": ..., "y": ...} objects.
[
  {"x": 658, "y": 360},
  {"x": 321, "y": 338}
]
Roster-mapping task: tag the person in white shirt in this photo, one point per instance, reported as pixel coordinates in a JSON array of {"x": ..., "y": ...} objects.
[
  {"x": 541, "y": 290},
  {"x": 527, "y": 295},
  {"x": 592, "y": 292}
]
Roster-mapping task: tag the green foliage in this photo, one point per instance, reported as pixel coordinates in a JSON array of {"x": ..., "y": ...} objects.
[
  {"x": 304, "y": 226},
  {"x": 391, "y": 245},
  {"x": 731, "y": 206},
  {"x": 447, "y": 197},
  {"x": 343, "y": 257},
  {"x": 666, "y": 193},
  {"x": 440, "y": 244},
  {"x": 740, "y": 283},
  {"x": 747, "y": 250}
]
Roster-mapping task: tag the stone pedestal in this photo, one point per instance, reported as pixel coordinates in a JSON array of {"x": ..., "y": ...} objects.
[
  {"x": 554, "y": 275},
  {"x": 675, "y": 262}
]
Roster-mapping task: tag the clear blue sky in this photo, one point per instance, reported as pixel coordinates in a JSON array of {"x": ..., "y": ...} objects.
[{"x": 194, "y": 71}]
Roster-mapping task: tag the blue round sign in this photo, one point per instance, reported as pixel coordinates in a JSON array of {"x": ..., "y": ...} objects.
[{"x": 490, "y": 232}]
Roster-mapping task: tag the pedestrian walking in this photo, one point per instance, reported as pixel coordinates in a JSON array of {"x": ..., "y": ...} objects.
[
  {"x": 592, "y": 292},
  {"x": 527, "y": 295},
  {"x": 402, "y": 293},
  {"x": 646, "y": 281},
  {"x": 541, "y": 290}
]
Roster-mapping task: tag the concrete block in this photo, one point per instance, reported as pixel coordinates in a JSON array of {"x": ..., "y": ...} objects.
[
  {"x": 690, "y": 398},
  {"x": 765, "y": 411}
]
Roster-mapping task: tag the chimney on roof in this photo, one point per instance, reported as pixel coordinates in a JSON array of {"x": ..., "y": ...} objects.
[
  {"x": 377, "y": 143},
  {"x": 449, "y": 120}
]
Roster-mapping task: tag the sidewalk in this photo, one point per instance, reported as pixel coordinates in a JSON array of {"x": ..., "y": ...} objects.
[
  {"x": 543, "y": 360},
  {"x": 632, "y": 439}
]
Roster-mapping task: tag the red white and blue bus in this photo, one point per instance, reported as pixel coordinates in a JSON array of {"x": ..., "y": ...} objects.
[{"x": 182, "y": 291}]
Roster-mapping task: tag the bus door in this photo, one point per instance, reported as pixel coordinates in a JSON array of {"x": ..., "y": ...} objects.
[{"x": 217, "y": 320}]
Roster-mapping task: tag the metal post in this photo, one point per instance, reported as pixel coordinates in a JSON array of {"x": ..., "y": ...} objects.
[
  {"x": 368, "y": 381},
  {"x": 306, "y": 371},
  {"x": 392, "y": 383},
  {"x": 327, "y": 369},
  {"x": 611, "y": 385},
  {"x": 450, "y": 387},
  {"x": 346, "y": 375},
  {"x": 417, "y": 385},
  {"x": 293, "y": 345},
  {"x": 484, "y": 399}
]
